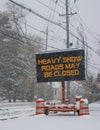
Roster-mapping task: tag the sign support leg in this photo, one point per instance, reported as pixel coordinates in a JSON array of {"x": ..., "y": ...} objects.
[{"x": 63, "y": 92}]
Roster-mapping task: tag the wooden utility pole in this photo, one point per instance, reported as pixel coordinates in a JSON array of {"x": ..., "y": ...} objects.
[
  {"x": 67, "y": 24},
  {"x": 47, "y": 45},
  {"x": 46, "y": 37},
  {"x": 67, "y": 44}
]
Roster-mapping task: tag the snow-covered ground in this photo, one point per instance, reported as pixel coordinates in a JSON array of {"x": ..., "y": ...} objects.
[
  {"x": 16, "y": 110},
  {"x": 61, "y": 121}
]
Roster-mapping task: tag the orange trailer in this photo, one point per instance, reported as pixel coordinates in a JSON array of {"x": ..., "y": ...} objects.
[{"x": 60, "y": 108}]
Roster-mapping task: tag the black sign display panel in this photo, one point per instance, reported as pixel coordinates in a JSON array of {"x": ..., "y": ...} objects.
[{"x": 60, "y": 66}]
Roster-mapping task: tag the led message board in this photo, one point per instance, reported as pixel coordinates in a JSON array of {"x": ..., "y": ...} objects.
[{"x": 60, "y": 66}]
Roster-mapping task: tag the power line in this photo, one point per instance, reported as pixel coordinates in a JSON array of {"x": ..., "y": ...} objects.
[
  {"x": 84, "y": 24},
  {"x": 60, "y": 5},
  {"x": 94, "y": 67},
  {"x": 40, "y": 16},
  {"x": 47, "y": 16},
  {"x": 27, "y": 39},
  {"x": 47, "y": 6},
  {"x": 43, "y": 32},
  {"x": 53, "y": 22},
  {"x": 51, "y": 16},
  {"x": 85, "y": 44},
  {"x": 78, "y": 30},
  {"x": 80, "y": 20},
  {"x": 87, "y": 28}
]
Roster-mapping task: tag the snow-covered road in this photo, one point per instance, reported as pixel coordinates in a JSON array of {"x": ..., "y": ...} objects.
[
  {"x": 52, "y": 122},
  {"x": 61, "y": 121},
  {"x": 17, "y": 110}
]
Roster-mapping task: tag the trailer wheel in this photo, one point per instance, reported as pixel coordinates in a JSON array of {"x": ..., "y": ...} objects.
[
  {"x": 46, "y": 112},
  {"x": 78, "y": 112},
  {"x": 74, "y": 113}
]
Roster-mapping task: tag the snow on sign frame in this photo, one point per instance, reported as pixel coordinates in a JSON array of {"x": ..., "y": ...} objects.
[{"x": 60, "y": 66}]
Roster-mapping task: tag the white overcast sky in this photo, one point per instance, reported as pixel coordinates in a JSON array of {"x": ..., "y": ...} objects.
[{"x": 88, "y": 10}]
